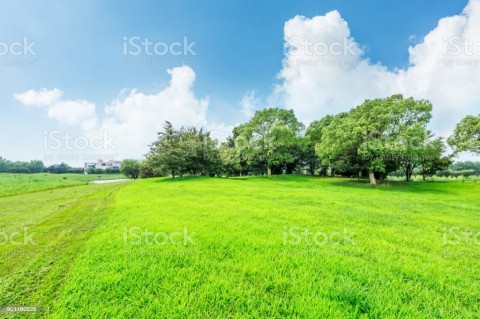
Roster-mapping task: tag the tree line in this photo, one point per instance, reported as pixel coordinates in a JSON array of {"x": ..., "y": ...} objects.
[
  {"x": 374, "y": 139},
  {"x": 37, "y": 166}
]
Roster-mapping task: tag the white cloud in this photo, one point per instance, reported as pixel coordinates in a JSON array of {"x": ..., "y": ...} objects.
[
  {"x": 39, "y": 98},
  {"x": 250, "y": 103},
  {"x": 328, "y": 73},
  {"x": 134, "y": 118},
  {"x": 68, "y": 112}
]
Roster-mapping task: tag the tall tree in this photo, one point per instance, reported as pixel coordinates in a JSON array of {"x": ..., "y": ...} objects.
[
  {"x": 466, "y": 136},
  {"x": 169, "y": 152},
  {"x": 313, "y": 136},
  {"x": 187, "y": 150},
  {"x": 433, "y": 158},
  {"x": 369, "y": 136},
  {"x": 270, "y": 140}
]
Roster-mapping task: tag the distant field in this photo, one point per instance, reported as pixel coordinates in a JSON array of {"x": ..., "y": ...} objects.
[
  {"x": 281, "y": 247},
  {"x": 11, "y": 184}
]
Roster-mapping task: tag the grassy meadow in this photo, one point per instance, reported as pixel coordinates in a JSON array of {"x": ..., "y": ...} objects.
[
  {"x": 254, "y": 247},
  {"x": 11, "y": 184}
]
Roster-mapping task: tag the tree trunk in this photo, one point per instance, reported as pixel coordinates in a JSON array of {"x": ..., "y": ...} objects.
[
  {"x": 371, "y": 176},
  {"x": 173, "y": 174},
  {"x": 269, "y": 171}
]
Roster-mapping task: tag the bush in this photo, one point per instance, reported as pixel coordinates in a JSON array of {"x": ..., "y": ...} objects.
[{"x": 149, "y": 171}]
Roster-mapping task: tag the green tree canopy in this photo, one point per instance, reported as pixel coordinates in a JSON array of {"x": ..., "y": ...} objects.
[
  {"x": 372, "y": 134},
  {"x": 270, "y": 139},
  {"x": 466, "y": 137},
  {"x": 131, "y": 168}
]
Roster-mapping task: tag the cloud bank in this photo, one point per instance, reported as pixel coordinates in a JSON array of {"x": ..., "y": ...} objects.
[{"x": 326, "y": 71}]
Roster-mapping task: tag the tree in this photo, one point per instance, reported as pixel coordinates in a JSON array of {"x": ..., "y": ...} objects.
[
  {"x": 467, "y": 165},
  {"x": 202, "y": 155},
  {"x": 131, "y": 168},
  {"x": 63, "y": 168},
  {"x": 371, "y": 134},
  {"x": 313, "y": 137},
  {"x": 415, "y": 149},
  {"x": 432, "y": 159},
  {"x": 466, "y": 136},
  {"x": 270, "y": 140},
  {"x": 7, "y": 166},
  {"x": 149, "y": 171},
  {"x": 168, "y": 151},
  {"x": 231, "y": 161},
  {"x": 427, "y": 155},
  {"x": 36, "y": 166},
  {"x": 337, "y": 150},
  {"x": 188, "y": 150}
]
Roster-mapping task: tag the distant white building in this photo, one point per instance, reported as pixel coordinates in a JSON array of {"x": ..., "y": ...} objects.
[{"x": 100, "y": 164}]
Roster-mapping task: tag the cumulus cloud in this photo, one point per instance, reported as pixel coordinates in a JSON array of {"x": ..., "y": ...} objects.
[
  {"x": 64, "y": 111},
  {"x": 136, "y": 117},
  {"x": 133, "y": 119},
  {"x": 326, "y": 71},
  {"x": 39, "y": 98}
]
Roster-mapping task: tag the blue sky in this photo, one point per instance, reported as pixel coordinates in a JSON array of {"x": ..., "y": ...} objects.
[{"x": 238, "y": 46}]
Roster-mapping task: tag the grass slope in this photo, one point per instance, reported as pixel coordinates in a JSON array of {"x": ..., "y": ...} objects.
[{"x": 240, "y": 267}]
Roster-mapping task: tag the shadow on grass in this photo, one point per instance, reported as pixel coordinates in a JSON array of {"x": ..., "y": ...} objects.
[
  {"x": 391, "y": 186},
  {"x": 181, "y": 179},
  {"x": 395, "y": 186}
]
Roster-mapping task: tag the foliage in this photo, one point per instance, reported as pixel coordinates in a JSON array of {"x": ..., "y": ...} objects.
[
  {"x": 374, "y": 134},
  {"x": 150, "y": 171},
  {"x": 466, "y": 137},
  {"x": 271, "y": 140},
  {"x": 187, "y": 150},
  {"x": 313, "y": 137},
  {"x": 131, "y": 168},
  {"x": 7, "y": 166},
  {"x": 467, "y": 165},
  {"x": 448, "y": 173}
]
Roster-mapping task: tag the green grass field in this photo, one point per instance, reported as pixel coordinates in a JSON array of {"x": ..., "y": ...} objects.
[
  {"x": 12, "y": 184},
  {"x": 281, "y": 247}
]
